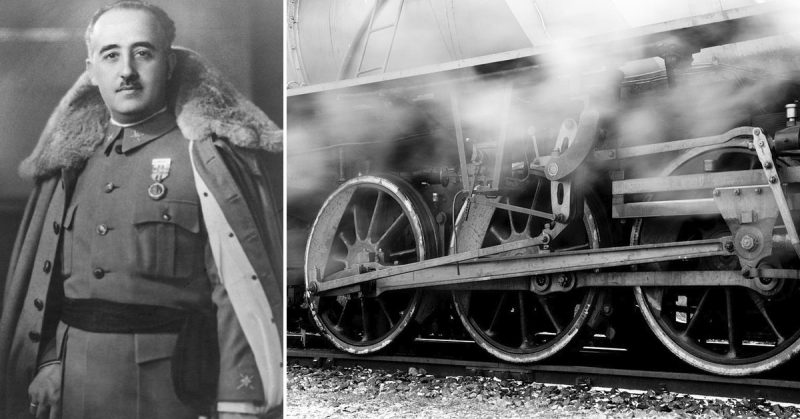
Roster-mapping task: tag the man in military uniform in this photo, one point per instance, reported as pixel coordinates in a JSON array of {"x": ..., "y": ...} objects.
[{"x": 145, "y": 280}]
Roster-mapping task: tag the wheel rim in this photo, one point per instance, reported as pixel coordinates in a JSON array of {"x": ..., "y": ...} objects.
[
  {"x": 374, "y": 222},
  {"x": 522, "y": 326},
  {"x": 723, "y": 330}
]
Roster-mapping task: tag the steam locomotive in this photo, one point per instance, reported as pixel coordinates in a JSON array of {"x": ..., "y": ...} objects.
[{"x": 532, "y": 164}]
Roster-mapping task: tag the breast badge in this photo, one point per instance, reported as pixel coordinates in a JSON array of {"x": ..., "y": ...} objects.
[{"x": 160, "y": 172}]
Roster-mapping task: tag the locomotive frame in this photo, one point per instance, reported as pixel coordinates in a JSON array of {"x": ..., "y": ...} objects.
[{"x": 538, "y": 241}]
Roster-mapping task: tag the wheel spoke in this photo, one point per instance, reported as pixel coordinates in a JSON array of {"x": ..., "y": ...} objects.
[
  {"x": 533, "y": 206},
  {"x": 339, "y": 259},
  {"x": 523, "y": 322},
  {"x": 493, "y": 231},
  {"x": 392, "y": 228},
  {"x": 490, "y": 330},
  {"x": 546, "y": 306},
  {"x": 385, "y": 312},
  {"x": 365, "y": 323},
  {"x": 344, "y": 239},
  {"x": 731, "y": 330},
  {"x": 376, "y": 212},
  {"x": 696, "y": 314},
  {"x": 510, "y": 215},
  {"x": 340, "y": 320},
  {"x": 759, "y": 302},
  {"x": 356, "y": 223},
  {"x": 402, "y": 253}
]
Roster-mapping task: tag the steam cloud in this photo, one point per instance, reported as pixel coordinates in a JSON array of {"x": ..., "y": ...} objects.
[{"x": 724, "y": 86}]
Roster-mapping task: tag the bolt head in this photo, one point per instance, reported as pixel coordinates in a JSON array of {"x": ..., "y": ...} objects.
[
  {"x": 748, "y": 242},
  {"x": 737, "y": 192},
  {"x": 773, "y": 179},
  {"x": 552, "y": 169}
]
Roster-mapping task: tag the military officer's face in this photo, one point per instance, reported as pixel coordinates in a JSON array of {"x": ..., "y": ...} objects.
[{"x": 130, "y": 63}]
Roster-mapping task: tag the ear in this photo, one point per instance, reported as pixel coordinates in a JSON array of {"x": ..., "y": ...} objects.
[
  {"x": 171, "y": 62},
  {"x": 89, "y": 70}
]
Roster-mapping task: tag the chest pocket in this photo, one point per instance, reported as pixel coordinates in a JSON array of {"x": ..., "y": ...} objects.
[{"x": 168, "y": 245}]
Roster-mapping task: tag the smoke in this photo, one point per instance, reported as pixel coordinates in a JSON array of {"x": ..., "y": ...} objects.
[{"x": 404, "y": 120}]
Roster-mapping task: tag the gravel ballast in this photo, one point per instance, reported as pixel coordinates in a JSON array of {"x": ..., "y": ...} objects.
[{"x": 365, "y": 393}]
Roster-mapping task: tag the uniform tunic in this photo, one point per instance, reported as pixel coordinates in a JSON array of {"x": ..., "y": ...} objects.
[{"x": 122, "y": 245}]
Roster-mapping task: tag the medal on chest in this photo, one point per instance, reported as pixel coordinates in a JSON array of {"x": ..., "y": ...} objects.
[{"x": 160, "y": 172}]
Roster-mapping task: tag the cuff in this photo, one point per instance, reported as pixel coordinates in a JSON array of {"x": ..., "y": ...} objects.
[
  {"x": 243, "y": 408},
  {"x": 48, "y": 363}
]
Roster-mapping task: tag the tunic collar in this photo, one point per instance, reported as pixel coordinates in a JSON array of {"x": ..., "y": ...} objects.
[{"x": 142, "y": 133}]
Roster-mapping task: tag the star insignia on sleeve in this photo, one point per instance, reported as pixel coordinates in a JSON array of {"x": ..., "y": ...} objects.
[{"x": 245, "y": 381}]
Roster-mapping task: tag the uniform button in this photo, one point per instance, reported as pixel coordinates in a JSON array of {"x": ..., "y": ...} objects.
[
  {"x": 165, "y": 216},
  {"x": 34, "y": 336},
  {"x": 38, "y": 303},
  {"x": 99, "y": 273},
  {"x": 109, "y": 187},
  {"x": 56, "y": 227},
  {"x": 102, "y": 229},
  {"x": 47, "y": 266}
]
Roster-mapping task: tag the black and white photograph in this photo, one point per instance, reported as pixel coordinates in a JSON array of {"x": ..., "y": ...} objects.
[
  {"x": 542, "y": 208},
  {"x": 399, "y": 209},
  {"x": 142, "y": 206}
]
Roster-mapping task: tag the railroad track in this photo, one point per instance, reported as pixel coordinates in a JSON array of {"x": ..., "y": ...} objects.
[{"x": 773, "y": 389}]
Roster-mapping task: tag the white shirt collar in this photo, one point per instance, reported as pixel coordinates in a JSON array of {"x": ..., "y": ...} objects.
[{"x": 156, "y": 113}]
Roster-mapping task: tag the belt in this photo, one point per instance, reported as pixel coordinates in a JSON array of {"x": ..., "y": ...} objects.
[
  {"x": 195, "y": 361},
  {"x": 101, "y": 316}
]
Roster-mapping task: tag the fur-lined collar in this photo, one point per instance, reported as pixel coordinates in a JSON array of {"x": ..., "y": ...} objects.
[{"x": 203, "y": 101}]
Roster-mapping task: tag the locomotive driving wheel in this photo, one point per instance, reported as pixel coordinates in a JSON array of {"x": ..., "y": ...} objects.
[
  {"x": 523, "y": 326},
  {"x": 722, "y": 330},
  {"x": 368, "y": 223}
]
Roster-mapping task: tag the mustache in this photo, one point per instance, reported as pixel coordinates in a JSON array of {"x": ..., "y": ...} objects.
[{"x": 133, "y": 85}]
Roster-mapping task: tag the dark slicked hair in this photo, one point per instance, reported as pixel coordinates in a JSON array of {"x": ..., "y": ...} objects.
[{"x": 164, "y": 21}]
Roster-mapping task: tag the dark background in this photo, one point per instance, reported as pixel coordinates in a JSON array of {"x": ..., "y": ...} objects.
[{"x": 42, "y": 53}]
